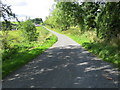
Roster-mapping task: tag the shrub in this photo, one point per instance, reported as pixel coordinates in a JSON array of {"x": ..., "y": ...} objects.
[{"x": 29, "y": 31}]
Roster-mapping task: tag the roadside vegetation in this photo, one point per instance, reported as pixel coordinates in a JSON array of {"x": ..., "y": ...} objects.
[
  {"x": 103, "y": 50},
  {"x": 94, "y": 25},
  {"x": 21, "y": 42},
  {"x": 21, "y": 52}
]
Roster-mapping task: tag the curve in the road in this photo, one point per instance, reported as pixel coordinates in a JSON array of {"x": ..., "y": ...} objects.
[{"x": 65, "y": 65}]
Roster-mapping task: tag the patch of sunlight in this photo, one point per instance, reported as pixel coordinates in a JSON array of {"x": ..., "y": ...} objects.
[
  {"x": 84, "y": 63},
  {"x": 32, "y": 86},
  {"x": 85, "y": 52},
  {"x": 97, "y": 68},
  {"x": 31, "y": 78},
  {"x": 65, "y": 65},
  {"x": 40, "y": 60},
  {"x": 76, "y": 83},
  {"x": 112, "y": 71},
  {"x": 96, "y": 58},
  {"x": 78, "y": 78},
  {"x": 49, "y": 56},
  {"x": 17, "y": 75},
  {"x": 11, "y": 79},
  {"x": 66, "y": 57},
  {"x": 116, "y": 82},
  {"x": 41, "y": 71},
  {"x": 56, "y": 67},
  {"x": 35, "y": 67},
  {"x": 49, "y": 69},
  {"x": 59, "y": 53},
  {"x": 68, "y": 47}
]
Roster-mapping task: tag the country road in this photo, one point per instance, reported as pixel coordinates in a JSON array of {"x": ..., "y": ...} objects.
[{"x": 65, "y": 65}]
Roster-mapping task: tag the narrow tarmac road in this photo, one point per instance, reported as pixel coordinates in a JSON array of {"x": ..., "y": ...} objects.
[{"x": 65, "y": 65}]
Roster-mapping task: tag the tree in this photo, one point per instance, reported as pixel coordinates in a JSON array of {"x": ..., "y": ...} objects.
[
  {"x": 108, "y": 21},
  {"x": 66, "y": 14},
  {"x": 28, "y": 31},
  {"x": 6, "y": 14},
  {"x": 37, "y": 20},
  {"x": 89, "y": 13},
  {"x": 104, "y": 17}
]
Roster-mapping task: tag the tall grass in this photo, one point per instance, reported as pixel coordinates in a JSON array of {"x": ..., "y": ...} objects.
[{"x": 23, "y": 52}]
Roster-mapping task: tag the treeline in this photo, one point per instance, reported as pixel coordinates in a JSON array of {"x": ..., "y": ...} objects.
[
  {"x": 37, "y": 20},
  {"x": 103, "y": 17},
  {"x": 15, "y": 25}
]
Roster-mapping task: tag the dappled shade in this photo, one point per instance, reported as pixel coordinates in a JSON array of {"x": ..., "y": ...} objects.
[{"x": 64, "y": 67}]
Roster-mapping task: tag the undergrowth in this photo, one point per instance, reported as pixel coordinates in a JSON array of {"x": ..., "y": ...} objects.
[{"x": 21, "y": 52}]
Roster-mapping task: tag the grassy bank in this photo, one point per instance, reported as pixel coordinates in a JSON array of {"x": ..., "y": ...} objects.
[
  {"x": 23, "y": 52},
  {"x": 106, "y": 51}
]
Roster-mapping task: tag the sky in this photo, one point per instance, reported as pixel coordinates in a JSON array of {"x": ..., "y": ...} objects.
[{"x": 30, "y": 8}]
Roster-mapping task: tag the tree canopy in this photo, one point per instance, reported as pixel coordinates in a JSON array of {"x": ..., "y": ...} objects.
[
  {"x": 104, "y": 17},
  {"x": 37, "y": 20}
]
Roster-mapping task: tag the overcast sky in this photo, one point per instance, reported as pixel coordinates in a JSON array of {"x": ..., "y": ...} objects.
[{"x": 30, "y": 8}]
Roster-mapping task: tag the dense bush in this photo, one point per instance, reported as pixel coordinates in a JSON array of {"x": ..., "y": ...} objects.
[
  {"x": 8, "y": 53},
  {"x": 28, "y": 31},
  {"x": 108, "y": 21}
]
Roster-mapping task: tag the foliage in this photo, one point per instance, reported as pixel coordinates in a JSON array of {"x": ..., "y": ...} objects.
[
  {"x": 105, "y": 51},
  {"x": 15, "y": 50},
  {"x": 4, "y": 34},
  {"x": 37, "y": 20},
  {"x": 108, "y": 21},
  {"x": 100, "y": 16},
  {"x": 23, "y": 52},
  {"x": 65, "y": 15},
  {"x": 6, "y": 14},
  {"x": 102, "y": 49},
  {"x": 89, "y": 14},
  {"x": 29, "y": 31}
]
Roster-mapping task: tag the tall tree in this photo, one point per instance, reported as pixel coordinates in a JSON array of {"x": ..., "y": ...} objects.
[
  {"x": 108, "y": 21},
  {"x": 90, "y": 13},
  {"x": 6, "y": 14},
  {"x": 67, "y": 14}
]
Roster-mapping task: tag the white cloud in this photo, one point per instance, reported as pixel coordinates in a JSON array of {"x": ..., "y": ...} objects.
[{"x": 31, "y": 8}]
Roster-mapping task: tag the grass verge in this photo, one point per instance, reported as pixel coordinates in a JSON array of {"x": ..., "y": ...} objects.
[
  {"x": 25, "y": 52},
  {"x": 103, "y": 50}
]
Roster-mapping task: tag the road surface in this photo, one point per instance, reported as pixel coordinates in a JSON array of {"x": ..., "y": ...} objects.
[{"x": 65, "y": 65}]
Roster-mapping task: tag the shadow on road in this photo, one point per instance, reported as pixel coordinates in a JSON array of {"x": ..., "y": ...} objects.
[{"x": 64, "y": 67}]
